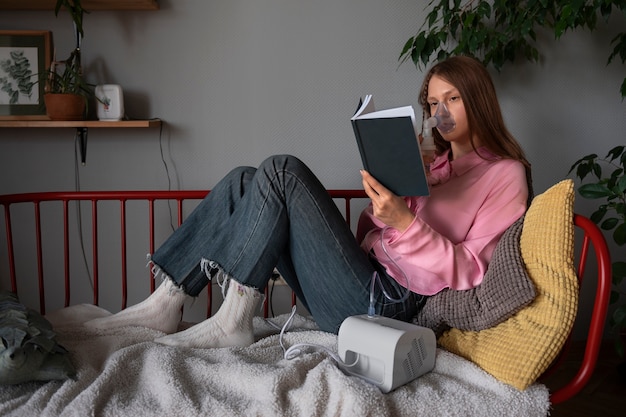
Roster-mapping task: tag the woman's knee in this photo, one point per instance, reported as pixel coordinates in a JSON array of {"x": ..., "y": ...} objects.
[
  {"x": 242, "y": 172},
  {"x": 287, "y": 164},
  {"x": 282, "y": 161},
  {"x": 235, "y": 181},
  {"x": 240, "y": 175}
]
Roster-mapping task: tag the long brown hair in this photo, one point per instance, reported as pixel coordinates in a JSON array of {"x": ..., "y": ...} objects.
[
  {"x": 479, "y": 97},
  {"x": 482, "y": 107}
]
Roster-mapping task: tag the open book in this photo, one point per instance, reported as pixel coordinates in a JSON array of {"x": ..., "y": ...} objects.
[{"x": 389, "y": 147}]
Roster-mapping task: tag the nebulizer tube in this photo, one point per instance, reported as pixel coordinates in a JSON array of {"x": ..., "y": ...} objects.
[
  {"x": 371, "y": 310},
  {"x": 427, "y": 145}
]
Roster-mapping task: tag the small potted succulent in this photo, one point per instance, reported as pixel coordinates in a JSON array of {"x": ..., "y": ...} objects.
[{"x": 67, "y": 93}]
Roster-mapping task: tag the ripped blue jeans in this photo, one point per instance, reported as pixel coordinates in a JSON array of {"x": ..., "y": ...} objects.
[{"x": 280, "y": 215}]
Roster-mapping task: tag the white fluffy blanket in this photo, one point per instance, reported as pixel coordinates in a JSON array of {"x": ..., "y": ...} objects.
[{"x": 124, "y": 373}]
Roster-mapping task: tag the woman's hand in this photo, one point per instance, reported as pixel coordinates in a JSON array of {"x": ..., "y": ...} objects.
[{"x": 388, "y": 207}]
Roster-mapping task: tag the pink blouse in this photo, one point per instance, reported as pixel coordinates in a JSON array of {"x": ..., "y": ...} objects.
[{"x": 455, "y": 231}]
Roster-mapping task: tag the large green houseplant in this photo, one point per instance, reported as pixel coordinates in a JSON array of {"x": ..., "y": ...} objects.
[
  {"x": 501, "y": 31},
  {"x": 67, "y": 93}
]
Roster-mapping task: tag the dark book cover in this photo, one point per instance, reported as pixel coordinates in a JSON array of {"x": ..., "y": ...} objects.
[{"x": 390, "y": 151}]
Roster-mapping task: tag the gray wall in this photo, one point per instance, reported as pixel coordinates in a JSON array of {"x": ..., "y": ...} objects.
[{"x": 237, "y": 81}]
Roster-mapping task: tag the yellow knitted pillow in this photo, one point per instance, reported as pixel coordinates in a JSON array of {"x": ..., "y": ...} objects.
[{"x": 520, "y": 349}]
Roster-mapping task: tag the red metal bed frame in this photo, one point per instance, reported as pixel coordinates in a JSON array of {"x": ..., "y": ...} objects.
[{"x": 592, "y": 239}]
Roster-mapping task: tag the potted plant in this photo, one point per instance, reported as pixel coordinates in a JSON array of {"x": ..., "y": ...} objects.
[
  {"x": 67, "y": 92},
  {"x": 609, "y": 187}
]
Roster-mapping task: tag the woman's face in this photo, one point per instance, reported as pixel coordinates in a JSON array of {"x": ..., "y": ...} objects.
[{"x": 441, "y": 91}]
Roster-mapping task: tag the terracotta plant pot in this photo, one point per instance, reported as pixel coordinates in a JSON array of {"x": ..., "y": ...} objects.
[{"x": 65, "y": 106}]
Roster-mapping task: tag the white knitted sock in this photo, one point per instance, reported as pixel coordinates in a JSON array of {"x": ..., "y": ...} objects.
[
  {"x": 230, "y": 326},
  {"x": 160, "y": 311}
]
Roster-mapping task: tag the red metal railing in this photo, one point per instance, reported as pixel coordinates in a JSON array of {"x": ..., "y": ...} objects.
[
  {"x": 179, "y": 197},
  {"x": 592, "y": 239}
]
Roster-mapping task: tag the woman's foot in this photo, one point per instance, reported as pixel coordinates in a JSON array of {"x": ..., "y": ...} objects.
[
  {"x": 230, "y": 326},
  {"x": 161, "y": 311}
]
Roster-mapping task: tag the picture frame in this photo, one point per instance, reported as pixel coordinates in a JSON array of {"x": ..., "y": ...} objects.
[{"x": 25, "y": 55}]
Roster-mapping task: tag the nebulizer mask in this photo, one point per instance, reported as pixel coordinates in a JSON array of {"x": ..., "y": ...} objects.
[{"x": 442, "y": 120}]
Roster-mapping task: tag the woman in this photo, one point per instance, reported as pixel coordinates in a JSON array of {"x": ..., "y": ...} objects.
[{"x": 280, "y": 215}]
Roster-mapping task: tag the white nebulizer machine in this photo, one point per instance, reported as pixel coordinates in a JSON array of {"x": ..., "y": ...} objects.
[
  {"x": 383, "y": 351},
  {"x": 386, "y": 352}
]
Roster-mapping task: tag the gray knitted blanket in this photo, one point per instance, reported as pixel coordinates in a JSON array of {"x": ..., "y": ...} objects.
[{"x": 505, "y": 289}]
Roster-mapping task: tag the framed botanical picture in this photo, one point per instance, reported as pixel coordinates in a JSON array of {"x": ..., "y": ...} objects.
[{"x": 25, "y": 56}]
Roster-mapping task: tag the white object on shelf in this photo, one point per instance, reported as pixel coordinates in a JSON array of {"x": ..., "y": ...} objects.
[{"x": 110, "y": 100}]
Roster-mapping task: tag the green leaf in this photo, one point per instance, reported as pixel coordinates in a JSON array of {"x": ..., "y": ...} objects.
[
  {"x": 407, "y": 46},
  {"x": 57, "y": 7},
  {"x": 574, "y": 165},
  {"x": 621, "y": 184},
  {"x": 432, "y": 17},
  {"x": 619, "y": 235},
  {"x": 484, "y": 9},
  {"x": 587, "y": 165},
  {"x": 615, "y": 177},
  {"x": 582, "y": 170},
  {"x": 597, "y": 170},
  {"x": 605, "y": 10},
  {"x": 619, "y": 49},
  {"x": 609, "y": 223},
  {"x": 415, "y": 57},
  {"x": 614, "y": 153},
  {"x": 562, "y": 24},
  {"x": 598, "y": 215},
  {"x": 593, "y": 191}
]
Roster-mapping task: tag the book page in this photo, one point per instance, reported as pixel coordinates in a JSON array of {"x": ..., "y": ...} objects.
[{"x": 367, "y": 111}]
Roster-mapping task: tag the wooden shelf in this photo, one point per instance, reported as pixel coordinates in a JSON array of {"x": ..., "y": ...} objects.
[
  {"x": 89, "y": 5},
  {"x": 81, "y": 127},
  {"x": 81, "y": 123}
]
